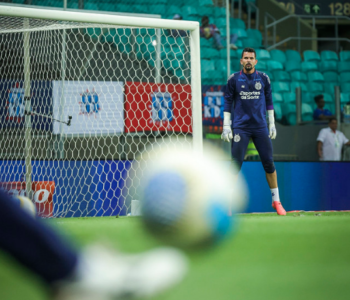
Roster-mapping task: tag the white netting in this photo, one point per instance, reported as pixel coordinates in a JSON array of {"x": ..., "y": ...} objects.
[{"x": 124, "y": 87}]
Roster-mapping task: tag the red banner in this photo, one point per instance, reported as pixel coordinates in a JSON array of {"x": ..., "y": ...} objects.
[
  {"x": 157, "y": 107},
  {"x": 42, "y": 194}
]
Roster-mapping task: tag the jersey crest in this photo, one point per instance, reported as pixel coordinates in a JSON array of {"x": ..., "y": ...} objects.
[
  {"x": 237, "y": 138},
  {"x": 258, "y": 85}
]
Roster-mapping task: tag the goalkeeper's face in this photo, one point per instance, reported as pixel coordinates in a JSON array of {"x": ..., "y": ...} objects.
[{"x": 248, "y": 61}]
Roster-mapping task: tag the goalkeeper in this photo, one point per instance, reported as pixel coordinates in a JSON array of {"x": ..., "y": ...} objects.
[{"x": 248, "y": 96}]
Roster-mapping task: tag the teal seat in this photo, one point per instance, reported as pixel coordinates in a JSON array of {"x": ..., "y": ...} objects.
[
  {"x": 140, "y": 8},
  {"x": 205, "y": 3},
  {"x": 289, "y": 97},
  {"x": 306, "y": 112},
  {"x": 158, "y": 9},
  {"x": 281, "y": 75},
  {"x": 237, "y": 23},
  {"x": 310, "y": 55},
  {"x": 331, "y": 76},
  {"x": 261, "y": 66},
  {"x": 289, "y": 113},
  {"x": 206, "y": 43},
  {"x": 314, "y": 87},
  {"x": 219, "y": 12},
  {"x": 273, "y": 65},
  {"x": 220, "y": 22},
  {"x": 270, "y": 74},
  {"x": 293, "y": 55},
  {"x": 327, "y": 98},
  {"x": 278, "y": 111},
  {"x": 344, "y": 67},
  {"x": 292, "y": 66},
  {"x": 328, "y": 87},
  {"x": 123, "y": 7},
  {"x": 223, "y": 53},
  {"x": 209, "y": 53},
  {"x": 344, "y": 97},
  {"x": 315, "y": 77},
  {"x": 89, "y": 6},
  {"x": 251, "y": 43},
  {"x": 278, "y": 55},
  {"x": 328, "y": 55},
  {"x": 309, "y": 98},
  {"x": 189, "y": 11},
  {"x": 295, "y": 84},
  {"x": 330, "y": 107},
  {"x": 277, "y": 97},
  {"x": 75, "y": 5},
  {"x": 307, "y": 66},
  {"x": 280, "y": 87},
  {"x": 241, "y": 33},
  {"x": 345, "y": 77},
  {"x": 262, "y": 54},
  {"x": 299, "y": 76},
  {"x": 326, "y": 66},
  {"x": 207, "y": 65},
  {"x": 221, "y": 65},
  {"x": 105, "y": 6},
  {"x": 345, "y": 87},
  {"x": 255, "y": 34},
  {"x": 235, "y": 65},
  {"x": 344, "y": 55}
]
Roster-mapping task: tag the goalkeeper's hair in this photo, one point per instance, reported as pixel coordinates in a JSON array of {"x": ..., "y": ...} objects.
[{"x": 250, "y": 50}]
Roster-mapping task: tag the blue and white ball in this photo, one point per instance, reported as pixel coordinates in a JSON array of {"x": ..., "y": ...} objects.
[
  {"x": 186, "y": 197},
  {"x": 26, "y": 204}
]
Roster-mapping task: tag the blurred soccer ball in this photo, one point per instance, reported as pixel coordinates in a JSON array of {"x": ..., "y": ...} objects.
[
  {"x": 26, "y": 204},
  {"x": 186, "y": 197}
]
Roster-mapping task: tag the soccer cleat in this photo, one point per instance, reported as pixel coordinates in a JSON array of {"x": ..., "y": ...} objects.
[
  {"x": 279, "y": 208},
  {"x": 102, "y": 274}
]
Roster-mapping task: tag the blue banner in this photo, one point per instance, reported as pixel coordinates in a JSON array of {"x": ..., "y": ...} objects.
[
  {"x": 12, "y": 106},
  {"x": 213, "y": 104}
]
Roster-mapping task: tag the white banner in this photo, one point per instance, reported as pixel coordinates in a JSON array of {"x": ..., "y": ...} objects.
[{"x": 96, "y": 107}]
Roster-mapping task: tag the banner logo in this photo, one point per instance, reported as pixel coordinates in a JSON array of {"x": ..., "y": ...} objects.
[
  {"x": 89, "y": 103},
  {"x": 162, "y": 107},
  {"x": 16, "y": 103}
]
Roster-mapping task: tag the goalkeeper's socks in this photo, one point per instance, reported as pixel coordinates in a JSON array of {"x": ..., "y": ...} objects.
[{"x": 275, "y": 195}]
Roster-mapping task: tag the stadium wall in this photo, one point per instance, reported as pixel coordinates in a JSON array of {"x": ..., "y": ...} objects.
[{"x": 98, "y": 188}]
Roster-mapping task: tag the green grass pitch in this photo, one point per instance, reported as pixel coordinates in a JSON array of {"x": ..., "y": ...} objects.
[{"x": 300, "y": 256}]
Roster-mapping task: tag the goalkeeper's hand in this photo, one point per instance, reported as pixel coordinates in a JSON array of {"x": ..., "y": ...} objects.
[
  {"x": 227, "y": 131},
  {"x": 272, "y": 127}
]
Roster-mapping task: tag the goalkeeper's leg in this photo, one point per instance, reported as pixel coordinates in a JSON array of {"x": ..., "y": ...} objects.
[{"x": 239, "y": 146}]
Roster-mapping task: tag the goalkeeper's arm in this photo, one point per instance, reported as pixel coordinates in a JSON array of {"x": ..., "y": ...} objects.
[
  {"x": 227, "y": 131},
  {"x": 272, "y": 127}
]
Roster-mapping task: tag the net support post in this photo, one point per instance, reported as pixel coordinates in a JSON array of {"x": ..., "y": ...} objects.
[
  {"x": 27, "y": 110},
  {"x": 298, "y": 104},
  {"x": 337, "y": 102},
  {"x": 196, "y": 91}
]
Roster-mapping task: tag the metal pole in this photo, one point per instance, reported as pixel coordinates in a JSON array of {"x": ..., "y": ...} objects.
[
  {"x": 337, "y": 102},
  {"x": 265, "y": 26},
  {"x": 28, "y": 121},
  {"x": 257, "y": 13},
  {"x": 196, "y": 91},
  {"x": 65, "y": 4},
  {"x": 313, "y": 23},
  {"x": 158, "y": 56},
  {"x": 274, "y": 33},
  {"x": 298, "y": 104},
  {"x": 239, "y": 9},
  {"x": 249, "y": 14},
  {"x": 228, "y": 37},
  {"x": 299, "y": 42}
]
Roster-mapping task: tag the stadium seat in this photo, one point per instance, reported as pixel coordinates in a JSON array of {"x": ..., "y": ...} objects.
[
  {"x": 280, "y": 87},
  {"x": 328, "y": 55},
  {"x": 281, "y": 76},
  {"x": 289, "y": 113},
  {"x": 237, "y": 23},
  {"x": 158, "y": 9},
  {"x": 344, "y": 55},
  {"x": 172, "y": 10},
  {"x": 315, "y": 77},
  {"x": 345, "y": 77},
  {"x": 219, "y": 12},
  {"x": 261, "y": 66},
  {"x": 291, "y": 66},
  {"x": 293, "y": 55},
  {"x": 345, "y": 87},
  {"x": 326, "y": 66},
  {"x": 327, "y": 97},
  {"x": 263, "y": 54},
  {"x": 309, "y": 66},
  {"x": 299, "y": 76},
  {"x": 289, "y": 97},
  {"x": 235, "y": 65},
  {"x": 220, "y": 22},
  {"x": 278, "y": 111},
  {"x": 209, "y": 53},
  {"x": 207, "y": 65},
  {"x": 309, "y": 98},
  {"x": 104, "y": 6},
  {"x": 206, "y": 43},
  {"x": 330, "y": 107},
  {"x": 90, "y": 6},
  {"x": 251, "y": 42},
  {"x": 221, "y": 65},
  {"x": 270, "y": 74},
  {"x": 205, "y": 3},
  {"x": 273, "y": 65},
  {"x": 328, "y": 87},
  {"x": 306, "y": 112},
  {"x": 331, "y": 76},
  {"x": 277, "y": 97},
  {"x": 314, "y": 87},
  {"x": 241, "y": 33},
  {"x": 344, "y": 97},
  {"x": 310, "y": 55},
  {"x": 278, "y": 55},
  {"x": 141, "y": 9},
  {"x": 344, "y": 67},
  {"x": 255, "y": 34},
  {"x": 295, "y": 84},
  {"x": 189, "y": 11}
]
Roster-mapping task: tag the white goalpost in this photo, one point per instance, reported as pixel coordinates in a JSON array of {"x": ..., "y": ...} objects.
[{"x": 83, "y": 95}]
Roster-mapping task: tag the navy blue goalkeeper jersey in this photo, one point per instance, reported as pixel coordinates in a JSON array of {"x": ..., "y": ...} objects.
[{"x": 247, "y": 98}]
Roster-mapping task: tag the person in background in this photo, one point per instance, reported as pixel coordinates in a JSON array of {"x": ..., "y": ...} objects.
[
  {"x": 320, "y": 113},
  {"x": 177, "y": 32},
  {"x": 93, "y": 273},
  {"x": 330, "y": 141},
  {"x": 211, "y": 31}
]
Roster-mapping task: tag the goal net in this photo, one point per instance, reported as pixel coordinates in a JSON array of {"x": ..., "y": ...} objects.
[{"x": 82, "y": 95}]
